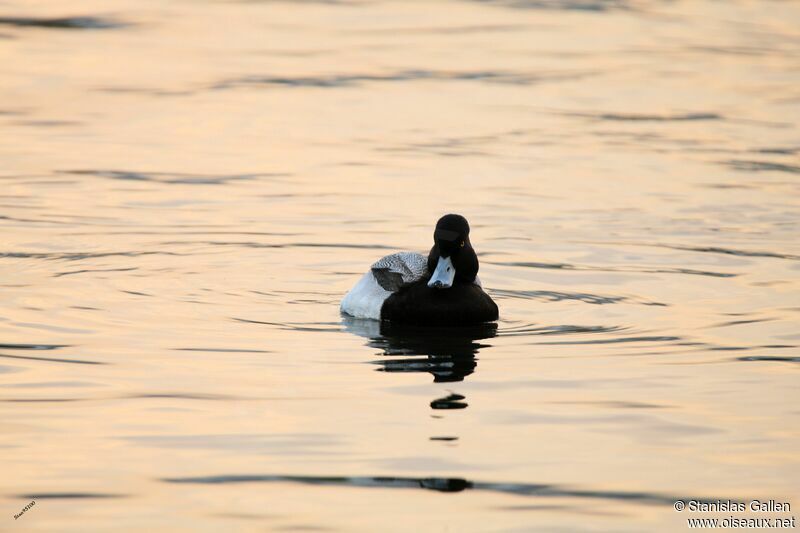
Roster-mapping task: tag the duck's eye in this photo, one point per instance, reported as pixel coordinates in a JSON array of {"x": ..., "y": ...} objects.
[{"x": 461, "y": 245}]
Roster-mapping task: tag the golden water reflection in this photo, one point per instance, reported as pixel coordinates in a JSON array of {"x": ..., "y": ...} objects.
[{"x": 188, "y": 189}]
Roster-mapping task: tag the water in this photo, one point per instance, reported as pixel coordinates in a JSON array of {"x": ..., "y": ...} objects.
[{"x": 188, "y": 189}]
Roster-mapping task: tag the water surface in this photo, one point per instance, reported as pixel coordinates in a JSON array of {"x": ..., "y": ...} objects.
[{"x": 189, "y": 188}]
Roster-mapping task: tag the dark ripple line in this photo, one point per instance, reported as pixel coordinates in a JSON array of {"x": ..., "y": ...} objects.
[
  {"x": 52, "y": 359},
  {"x": 439, "y": 484},
  {"x": 567, "y": 266},
  {"x": 735, "y": 50},
  {"x": 250, "y": 244},
  {"x": 64, "y": 23},
  {"x": 740, "y": 322},
  {"x": 39, "y": 221},
  {"x": 137, "y": 293},
  {"x": 141, "y": 396},
  {"x": 761, "y": 166},
  {"x": 555, "y": 296},
  {"x": 729, "y": 251},
  {"x": 78, "y": 256},
  {"x": 12, "y": 346},
  {"x": 143, "y": 90},
  {"x": 704, "y": 249},
  {"x": 180, "y": 396},
  {"x": 38, "y": 400},
  {"x": 770, "y": 358},
  {"x": 532, "y": 329},
  {"x": 613, "y": 404},
  {"x": 73, "y": 222},
  {"x": 164, "y": 231},
  {"x": 658, "y": 338},
  {"x": 177, "y": 178},
  {"x": 778, "y": 151},
  {"x": 643, "y": 117},
  {"x": 351, "y": 80},
  {"x": 85, "y": 270},
  {"x": 598, "y": 6},
  {"x": 288, "y": 327}
]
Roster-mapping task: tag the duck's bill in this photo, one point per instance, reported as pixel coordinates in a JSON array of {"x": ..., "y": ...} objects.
[{"x": 444, "y": 274}]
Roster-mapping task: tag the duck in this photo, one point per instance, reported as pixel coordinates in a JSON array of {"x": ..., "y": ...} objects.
[{"x": 442, "y": 289}]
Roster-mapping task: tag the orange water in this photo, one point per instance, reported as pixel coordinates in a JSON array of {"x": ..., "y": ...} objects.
[{"x": 189, "y": 189}]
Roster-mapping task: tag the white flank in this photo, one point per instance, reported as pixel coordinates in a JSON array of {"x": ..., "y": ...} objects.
[{"x": 365, "y": 299}]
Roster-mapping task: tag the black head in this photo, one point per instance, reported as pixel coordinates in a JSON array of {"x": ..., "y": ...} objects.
[{"x": 452, "y": 259}]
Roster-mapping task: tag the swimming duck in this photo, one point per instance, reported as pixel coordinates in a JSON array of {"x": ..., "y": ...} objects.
[{"x": 440, "y": 290}]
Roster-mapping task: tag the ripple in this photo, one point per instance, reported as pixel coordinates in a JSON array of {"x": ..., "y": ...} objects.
[
  {"x": 535, "y": 329},
  {"x": 144, "y": 90},
  {"x": 734, "y": 50},
  {"x": 655, "y": 338},
  {"x": 778, "y": 151},
  {"x": 52, "y": 359},
  {"x": 181, "y": 396},
  {"x": 306, "y": 326},
  {"x": 567, "y": 266},
  {"x": 556, "y": 296},
  {"x": 770, "y": 358},
  {"x": 137, "y": 293},
  {"x": 598, "y": 6},
  {"x": 85, "y": 270},
  {"x": 643, "y": 117},
  {"x": 761, "y": 166},
  {"x": 740, "y": 322},
  {"x": 63, "y": 23},
  {"x": 137, "y": 396},
  {"x": 707, "y": 250},
  {"x": 50, "y": 384},
  {"x": 731, "y": 251},
  {"x": 173, "y": 178},
  {"x": 251, "y": 244},
  {"x": 48, "y": 123},
  {"x": 354, "y": 80},
  {"x": 8, "y": 346},
  {"x": 78, "y": 256},
  {"x": 440, "y": 484},
  {"x": 612, "y": 404},
  {"x": 37, "y": 400}
]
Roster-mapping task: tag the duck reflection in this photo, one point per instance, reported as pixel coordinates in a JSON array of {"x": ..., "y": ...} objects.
[{"x": 447, "y": 353}]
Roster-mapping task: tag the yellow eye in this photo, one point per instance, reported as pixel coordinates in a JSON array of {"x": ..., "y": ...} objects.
[{"x": 462, "y": 244}]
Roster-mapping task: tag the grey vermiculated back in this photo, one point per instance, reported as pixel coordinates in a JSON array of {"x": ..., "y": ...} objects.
[{"x": 398, "y": 269}]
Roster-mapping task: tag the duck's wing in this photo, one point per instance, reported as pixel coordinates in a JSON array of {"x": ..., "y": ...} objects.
[{"x": 399, "y": 269}]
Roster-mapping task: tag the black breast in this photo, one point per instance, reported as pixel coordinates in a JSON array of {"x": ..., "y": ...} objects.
[{"x": 463, "y": 304}]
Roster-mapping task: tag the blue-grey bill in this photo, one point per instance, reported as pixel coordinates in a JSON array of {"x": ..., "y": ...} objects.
[{"x": 444, "y": 274}]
